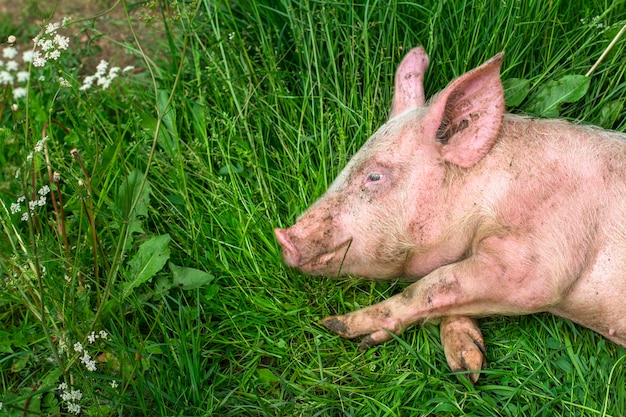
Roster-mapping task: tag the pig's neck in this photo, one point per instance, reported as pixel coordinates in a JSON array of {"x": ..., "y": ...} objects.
[{"x": 466, "y": 202}]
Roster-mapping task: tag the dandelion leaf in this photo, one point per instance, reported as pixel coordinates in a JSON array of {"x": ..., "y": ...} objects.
[
  {"x": 189, "y": 278},
  {"x": 567, "y": 89},
  {"x": 515, "y": 91},
  {"x": 133, "y": 188},
  {"x": 152, "y": 255},
  {"x": 609, "y": 114}
]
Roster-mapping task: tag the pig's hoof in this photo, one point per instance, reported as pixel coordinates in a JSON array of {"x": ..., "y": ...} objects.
[
  {"x": 464, "y": 346},
  {"x": 337, "y": 324}
]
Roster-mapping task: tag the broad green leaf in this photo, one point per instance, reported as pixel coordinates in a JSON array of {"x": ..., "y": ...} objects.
[
  {"x": 564, "y": 364},
  {"x": 20, "y": 362},
  {"x": 515, "y": 91},
  {"x": 189, "y": 278},
  {"x": 149, "y": 259},
  {"x": 168, "y": 135},
  {"x": 231, "y": 169},
  {"x": 131, "y": 189},
  {"x": 51, "y": 379},
  {"x": 266, "y": 376},
  {"x": 609, "y": 114},
  {"x": 567, "y": 89}
]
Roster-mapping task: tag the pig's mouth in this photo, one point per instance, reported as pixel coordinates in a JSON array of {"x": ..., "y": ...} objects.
[{"x": 325, "y": 262}]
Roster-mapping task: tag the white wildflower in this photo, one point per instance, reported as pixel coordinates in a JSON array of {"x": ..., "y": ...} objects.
[
  {"x": 103, "y": 335},
  {"x": 101, "y": 69},
  {"x": 92, "y": 338},
  {"x": 16, "y": 208},
  {"x": 24, "y": 217},
  {"x": 101, "y": 77},
  {"x": 19, "y": 92},
  {"x": 9, "y": 52},
  {"x": 73, "y": 395},
  {"x": 6, "y": 77},
  {"x": 39, "y": 146},
  {"x": 42, "y": 201},
  {"x": 54, "y": 55},
  {"x": 62, "y": 386},
  {"x": 22, "y": 76},
  {"x": 21, "y": 199},
  {"x": 51, "y": 28},
  {"x": 87, "y": 82},
  {"x": 73, "y": 408},
  {"x": 78, "y": 347},
  {"x": 105, "y": 83},
  {"x": 12, "y": 66},
  {"x": 62, "y": 42},
  {"x": 46, "y": 44},
  {"x": 38, "y": 60},
  {"x": 44, "y": 190},
  {"x": 89, "y": 363},
  {"x": 114, "y": 384},
  {"x": 27, "y": 56},
  {"x": 32, "y": 205},
  {"x": 128, "y": 68},
  {"x": 64, "y": 83}
]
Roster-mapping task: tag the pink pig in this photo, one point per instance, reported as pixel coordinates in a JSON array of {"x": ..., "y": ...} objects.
[{"x": 489, "y": 213}]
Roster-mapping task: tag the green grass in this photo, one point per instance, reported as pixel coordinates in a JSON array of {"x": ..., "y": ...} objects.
[{"x": 257, "y": 107}]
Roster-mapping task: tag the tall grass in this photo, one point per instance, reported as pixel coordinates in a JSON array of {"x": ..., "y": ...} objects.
[{"x": 257, "y": 107}]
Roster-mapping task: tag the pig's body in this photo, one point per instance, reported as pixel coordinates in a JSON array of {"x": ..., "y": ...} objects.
[
  {"x": 546, "y": 208},
  {"x": 499, "y": 214}
]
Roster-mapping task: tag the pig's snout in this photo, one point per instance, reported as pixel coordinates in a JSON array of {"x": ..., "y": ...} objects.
[{"x": 290, "y": 252}]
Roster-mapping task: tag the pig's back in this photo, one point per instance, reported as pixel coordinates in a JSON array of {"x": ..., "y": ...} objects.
[{"x": 592, "y": 164}]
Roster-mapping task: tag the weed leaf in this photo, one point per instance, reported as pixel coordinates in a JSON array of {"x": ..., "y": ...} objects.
[
  {"x": 567, "y": 89},
  {"x": 515, "y": 91},
  {"x": 609, "y": 114},
  {"x": 128, "y": 191},
  {"x": 149, "y": 259},
  {"x": 189, "y": 278}
]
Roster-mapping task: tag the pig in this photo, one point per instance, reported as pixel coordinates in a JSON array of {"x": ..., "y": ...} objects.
[{"x": 488, "y": 213}]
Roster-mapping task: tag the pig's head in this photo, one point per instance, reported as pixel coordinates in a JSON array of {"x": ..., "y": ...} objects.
[{"x": 386, "y": 207}]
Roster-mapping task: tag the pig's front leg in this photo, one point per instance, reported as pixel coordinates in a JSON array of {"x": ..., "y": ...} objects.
[{"x": 477, "y": 286}]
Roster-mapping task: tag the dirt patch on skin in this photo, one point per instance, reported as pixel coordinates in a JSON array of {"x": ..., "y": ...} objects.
[{"x": 100, "y": 28}]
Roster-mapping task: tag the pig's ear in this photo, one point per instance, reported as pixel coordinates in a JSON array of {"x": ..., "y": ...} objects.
[
  {"x": 409, "y": 82},
  {"x": 467, "y": 114}
]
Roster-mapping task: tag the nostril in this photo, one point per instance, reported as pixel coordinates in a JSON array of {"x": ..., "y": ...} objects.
[{"x": 290, "y": 252}]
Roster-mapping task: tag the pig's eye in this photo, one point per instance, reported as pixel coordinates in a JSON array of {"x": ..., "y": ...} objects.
[{"x": 373, "y": 177}]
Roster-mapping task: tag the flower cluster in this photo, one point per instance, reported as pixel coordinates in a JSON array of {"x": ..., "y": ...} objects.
[
  {"x": 10, "y": 73},
  {"x": 71, "y": 398},
  {"x": 32, "y": 204},
  {"x": 101, "y": 77},
  {"x": 85, "y": 358},
  {"x": 48, "y": 46}
]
